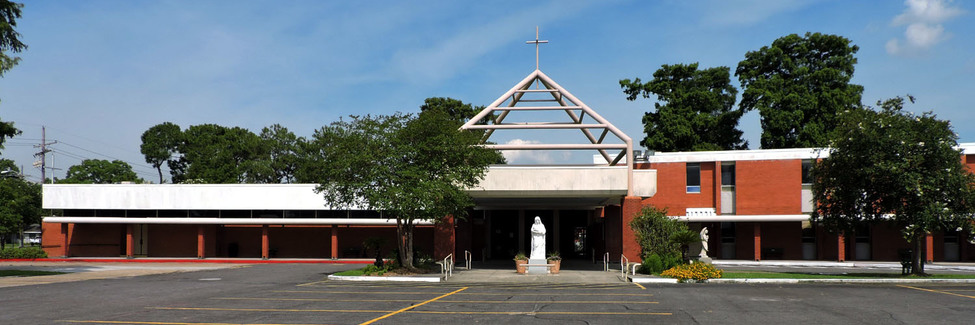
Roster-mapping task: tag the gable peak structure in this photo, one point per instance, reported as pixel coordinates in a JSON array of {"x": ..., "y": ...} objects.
[{"x": 548, "y": 95}]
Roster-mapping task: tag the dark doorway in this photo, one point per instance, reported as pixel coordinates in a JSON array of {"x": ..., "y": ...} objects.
[{"x": 504, "y": 234}]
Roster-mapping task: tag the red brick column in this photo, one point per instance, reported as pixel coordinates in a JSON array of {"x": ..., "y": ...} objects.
[
  {"x": 841, "y": 247},
  {"x": 200, "y": 241},
  {"x": 631, "y": 247},
  {"x": 129, "y": 240},
  {"x": 65, "y": 241},
  {"x": 758, "y": 241},
  {"x": 444, "y": 237},
  {"x": 929, "y": 248},
  {"x": 265, "y": 245},
  {"x": 335, "y": 242}
]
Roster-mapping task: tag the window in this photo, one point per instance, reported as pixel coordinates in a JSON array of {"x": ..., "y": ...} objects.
[
  {"x": 728, "y": 174},
  {"x": 693, "y": 177},
  {"x": 806, "y": 168}
]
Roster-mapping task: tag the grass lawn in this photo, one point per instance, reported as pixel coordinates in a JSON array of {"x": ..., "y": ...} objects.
[
  {"x": 797, "y": 275},
  {"x": 4, "y": 273},
  {"x": 356, "y": 272}
]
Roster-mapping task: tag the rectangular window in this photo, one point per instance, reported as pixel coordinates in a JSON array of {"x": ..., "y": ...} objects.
[
  {"x": 727, "y": 174},
  {"x": 693, "y": 177},
  {"x": 806, "y": 169}
]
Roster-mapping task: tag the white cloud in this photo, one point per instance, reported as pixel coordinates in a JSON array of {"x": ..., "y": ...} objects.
[
  {"x": 532, "y": 156},
  {"x": 924, "y": 30}
]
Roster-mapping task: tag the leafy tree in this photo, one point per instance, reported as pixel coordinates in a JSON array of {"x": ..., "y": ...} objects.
[
  {"x": 654, "y": 231},
  {"x": 99, "y": 171},
  {"x": 159, "y": 144},
  {"x": 9, "y": 42},
  {"x": 456, "y": 109},
  {"x": 897, "y": 167},
  {"x": 9, "y": 38},
  {"x": 276, "y": 158},
  {"x": 20, "y": 203},
  {"x": 697, "y": 111},
  {"x": 799, "y": 85},
  {"x": 412, "y": 168},
  {"x": 211, "y": 153}
]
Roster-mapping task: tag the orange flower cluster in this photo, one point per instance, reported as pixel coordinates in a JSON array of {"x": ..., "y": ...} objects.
[{"x": 695, "y": 271}]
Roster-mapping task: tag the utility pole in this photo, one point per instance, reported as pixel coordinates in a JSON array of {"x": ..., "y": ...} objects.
[{"x": 44, "y": 150}]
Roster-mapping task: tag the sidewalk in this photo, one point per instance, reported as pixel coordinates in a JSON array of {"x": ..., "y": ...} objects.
[{"x": 80, "y": 271}]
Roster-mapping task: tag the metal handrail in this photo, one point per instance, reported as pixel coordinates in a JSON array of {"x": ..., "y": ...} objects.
[
  {"x": 623, "y": 265},
  {"x": 606, "y": 262},
  {"x": 467, "y": 259},
  {"x": 447, "y": 267}
]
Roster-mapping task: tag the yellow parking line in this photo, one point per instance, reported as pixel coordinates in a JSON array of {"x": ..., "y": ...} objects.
[
  {"x": 158, "y": 323},
  {"x": 937, "y": 291},
  {"x": 272, "y": 310},
  {"x": 539, "y": 313},
  {"x": 309, "y": 283},
  {"x": 466, "y": 293},
  {"x": 446, "y": 301},
  {"x": 641, "y": 287},
  {"x": 414, "y": 306}
]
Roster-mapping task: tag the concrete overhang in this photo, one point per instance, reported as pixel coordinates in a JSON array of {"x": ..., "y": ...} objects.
[{"x": 559, "y": 186}]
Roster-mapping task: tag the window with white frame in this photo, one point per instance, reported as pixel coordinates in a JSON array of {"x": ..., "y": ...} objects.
[{"x": 693, "y": 177}]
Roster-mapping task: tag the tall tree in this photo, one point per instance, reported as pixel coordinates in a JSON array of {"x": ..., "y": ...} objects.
[
  {"x": 897, "y": 167},
  {"x": 412, "y": 168},
  {"x": 20, "y": 203},
  {"x": 695, "y": 111},
  {"x": 799, "y": 85},
  {"x": 276, "y": 157},
  {"x": 455, "y": 109},
  {"x": 99, "y": 171},
  {"x": 212, "y": 153},
  {"x": 159, "y": 144},
  {"x": 9, "y": 42},
  {"x": 9, "y": 38}
]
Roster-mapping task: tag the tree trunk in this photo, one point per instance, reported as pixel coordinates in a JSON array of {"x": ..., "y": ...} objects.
[
  {"x": 404, "y": 241},
  {"x": 159, "y": 169},
  {"x": 917, "y": 264}
]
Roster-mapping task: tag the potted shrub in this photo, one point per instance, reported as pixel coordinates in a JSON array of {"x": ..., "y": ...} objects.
[
  {"x": 520, "y": 261},
  {"x": 554, "y": 258}
]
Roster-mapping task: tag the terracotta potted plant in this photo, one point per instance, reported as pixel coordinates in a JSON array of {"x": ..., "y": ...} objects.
[
  {"x": 520, "y": 261},
  {"x": 554, "y": 258}
]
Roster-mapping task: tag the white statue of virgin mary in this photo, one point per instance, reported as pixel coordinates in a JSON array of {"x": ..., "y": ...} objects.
[{"x": 538, "y": 240}]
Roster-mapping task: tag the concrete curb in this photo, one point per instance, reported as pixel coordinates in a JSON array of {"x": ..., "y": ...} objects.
[
  {"x": 797, "y": 281},
  {"x": 385, "y": 278}
]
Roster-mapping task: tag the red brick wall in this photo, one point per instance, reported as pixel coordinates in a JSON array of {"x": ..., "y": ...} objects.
[
  {"x": 51, "y": 238},
  {"x": 631, "y": 247},
  {"x": 444, "y": 239},
  {"x": 885, "y": 242},
  {"x": 171, "y": 240},
  {"x": 247, "y": 238},
  {"x": 612, "y": 220},
  {"x": 768, "y": 187},
  {"x": 786, "y": 236},
  {"x": 300, "y": 241},
  {"x": 744, "y": 240},
  {"x": 672, "y": 188},
  {"x": 90, "y": 240}
]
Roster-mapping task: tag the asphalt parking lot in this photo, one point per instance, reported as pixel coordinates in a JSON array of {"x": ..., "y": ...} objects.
[{"x": 296, "y": 294}]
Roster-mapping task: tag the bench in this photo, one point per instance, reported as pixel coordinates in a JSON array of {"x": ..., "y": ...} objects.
[
  {"x": 772, "y": 253},
  {"x": 907, "y": 264}
]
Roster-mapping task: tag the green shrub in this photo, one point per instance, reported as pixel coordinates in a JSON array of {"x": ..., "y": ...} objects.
[
  {"x": 653, "y": 229},
  {"x": 22, "y": 253},
  {"x": 693, "y": 271},
  {"x": 654, "y": 263}
]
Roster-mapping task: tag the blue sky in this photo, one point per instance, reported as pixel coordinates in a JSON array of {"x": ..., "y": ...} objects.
[{"x": 99, "y": 73}]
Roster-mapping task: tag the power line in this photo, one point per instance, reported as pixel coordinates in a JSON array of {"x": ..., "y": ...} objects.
[{"x": 106, "y": 156}]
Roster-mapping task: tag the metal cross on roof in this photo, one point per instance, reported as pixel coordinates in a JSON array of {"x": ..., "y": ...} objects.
[{"x": 536, "y": 42}]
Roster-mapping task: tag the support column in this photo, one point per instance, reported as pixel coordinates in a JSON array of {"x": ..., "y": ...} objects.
[
  {"x": 521, "y": 231},
  {"x": 335, "y": 242},
  {"x": 65, "y": 241},
  {"x": 929, "y": 248},
  {"x": 200, "y": 241},
  {"x": 841, "y": 247},
  {"x": 630, "y": 246},
  {"x": 444, "y": 238},
  {"x": 129, "y": 240},
  {"x": 265, "y": 245},
  {"x": 758, "y": 241}
]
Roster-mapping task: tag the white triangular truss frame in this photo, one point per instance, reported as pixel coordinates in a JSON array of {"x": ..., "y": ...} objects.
[{"x": 566, "y": 102}]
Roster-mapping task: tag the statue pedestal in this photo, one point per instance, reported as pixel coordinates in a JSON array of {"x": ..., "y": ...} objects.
[
  {"x": 542, "y": 269},
  {"x": 704, "y": 259}
]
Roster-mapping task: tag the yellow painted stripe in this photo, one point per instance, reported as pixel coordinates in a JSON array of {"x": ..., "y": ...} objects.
[
  {"x": 615, "y": 287},
  {"x": 469, "y": 293},
  {"x": 446, "y": 301},
  {"x": 414, "y": 306},
  {"x": 310, "y": 283},
  {"x": 641, "y": 287},
  {"x": 538, "y": 313},
  {"x": 272, "y": 310},
  {"x": 159, "y": 323},
  {"x": 937, "y": 291}
]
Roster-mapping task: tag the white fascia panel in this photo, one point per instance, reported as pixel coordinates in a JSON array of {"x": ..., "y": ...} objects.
[
  {"x": 230, "y": 221},
  {"x": 184, "y": 197}
]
